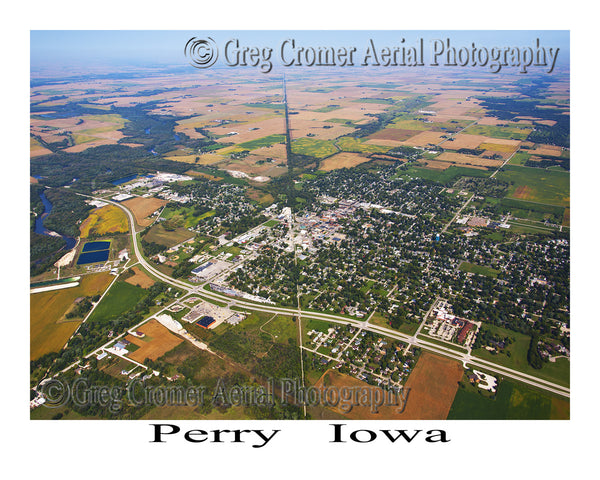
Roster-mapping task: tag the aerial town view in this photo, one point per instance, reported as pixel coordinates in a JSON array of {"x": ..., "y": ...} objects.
[{"x": 294, "y": 240}]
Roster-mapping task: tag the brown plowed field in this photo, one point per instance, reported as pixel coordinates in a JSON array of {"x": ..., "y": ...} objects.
[{"x": 158, "y": 341}]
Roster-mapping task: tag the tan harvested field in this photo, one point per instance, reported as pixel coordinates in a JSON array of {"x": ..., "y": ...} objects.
[
  {"x": 398, "y": 134},
  {"x": 436, "y": 165},
  {"x": 465, "y": 140},
  {"x": 498, "y": 147},
  {"x": 158, "y": 341},
  {"x": 423, "y": 139},
  {"x": 549, "y": 123},
  {"x": 140, "y": 278},
  {"x": 491, "y": 121},
  {"x": 301, "y": 128},
  {"x": 244, "y": 134},
  {"x": 192, "y": 173},
  {"x": 342, "y": 160},
  {"x": 142, "y": 207},
  {"x": 548, "y": 150},
  {"x": 202, "y": 159},
  {"x": 471, "y": 160},
  {"x": 36, "y": 149},
  {"x": 49, "y": 330}
]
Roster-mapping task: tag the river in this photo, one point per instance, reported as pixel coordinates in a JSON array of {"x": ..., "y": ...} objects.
[{"x": 39, "y": 223}]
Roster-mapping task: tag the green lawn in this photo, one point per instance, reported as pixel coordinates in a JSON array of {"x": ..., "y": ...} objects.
[
  {"x": 558, "y": 372},
  {"x": 478, "y": 269}
]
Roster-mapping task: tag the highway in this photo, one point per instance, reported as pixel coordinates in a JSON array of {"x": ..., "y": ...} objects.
[{"x": 464, "y": 357}]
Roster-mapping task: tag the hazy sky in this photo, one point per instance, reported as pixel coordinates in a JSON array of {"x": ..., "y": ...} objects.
[{"x": 135, "y": 47}]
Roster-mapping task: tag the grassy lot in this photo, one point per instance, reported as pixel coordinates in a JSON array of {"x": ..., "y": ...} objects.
[
  {"x": 120, "y": 298},
  {"x": 558, "y": 372},
  {"x": 453, "y": 346},
  {"x": 512, "y": 401},
  {"x": 537, "y": 185},
  {"x": 271, "y": 223},
  {"x": 158, "y": 234},
  {"x": 48, "y": 331},
  {"x": 380, "y": 320},
  {"x": 282, "y": 328},
  {"x": 478, "y": 269}
]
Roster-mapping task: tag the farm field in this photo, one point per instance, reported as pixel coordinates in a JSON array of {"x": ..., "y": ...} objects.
[
  {"x": 49, "y": 330},
  {"x": 121, "y": 298},
  {"x": 342, "y": 160},
  {"x": 107, "y": 219},
  {"x": 143, "y": 207},
  {"x": 157, "y": 342},
  {"x": 513, "y": 401},
  {"x": 433, "y": 384},
  {"x": 313, "y": 147},
  {"x": 140, "y": 278},
  {"x": 537, "y": 185}
]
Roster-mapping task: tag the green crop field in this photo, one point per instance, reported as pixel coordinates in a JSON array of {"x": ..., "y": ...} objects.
[
  {"x": 537, "y": 185},
  {"x": 314, "y": 147},
  {"x": 498, "y": 132},
  {"x": 519, "y": 158},
  {"x": 328, "y": 108},
  {"x": 514, "y": 401},
  {"x": 351, "y": 144},
  {"x": 121, "y": 298},
  {"x": 261, "y": 142},
  {"x": 444, "y": 177}
]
